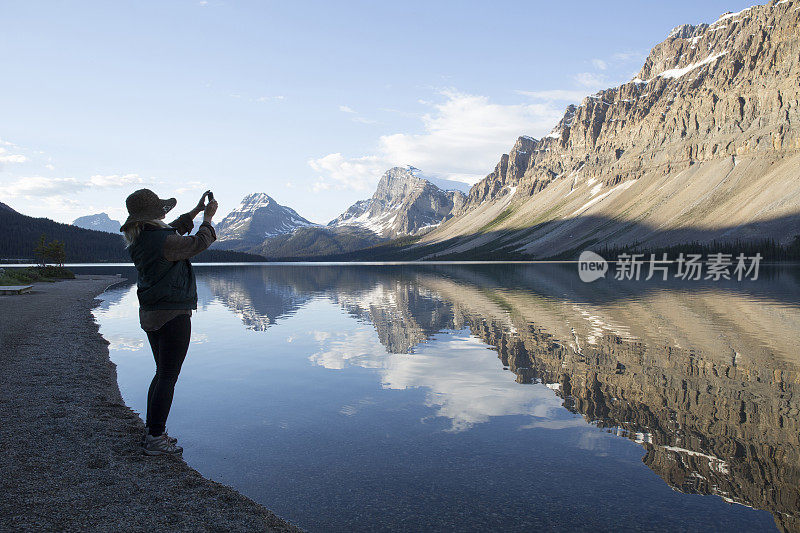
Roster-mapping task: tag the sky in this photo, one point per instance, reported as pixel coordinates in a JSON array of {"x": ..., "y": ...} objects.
[{"x": 309, "y": 102}]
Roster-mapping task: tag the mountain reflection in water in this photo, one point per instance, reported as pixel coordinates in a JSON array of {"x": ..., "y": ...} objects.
[{"x": 704, "y": 376}]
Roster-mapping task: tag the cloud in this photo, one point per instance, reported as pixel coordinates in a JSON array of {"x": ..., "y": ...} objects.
[
  {"x": 630, "y": 55},
  {"x": 119, "y": 342},
  {"x": 40, "y": 186},
  {"x": 479, "y": 390},
  {"x": 466, "y": 134},
  {"x": 10, "y": 158},
  {"x": 13, "y": 158},
  {"x": 355, "y": 173},
  {"x": 360, "y": 119},
  {"x": 114, "y": 180},
  {"x": 192, "y": 186},
  {"x": 356, "y": 348},
  {"x": 274, "y": 98},
  {"x": 556, "y": 95},
  {"x": 463, "y": 137},
  {"x": 612, "y": 70},
  {"x": 58, "y": 206},
  {"x": 591, "y": 80}
]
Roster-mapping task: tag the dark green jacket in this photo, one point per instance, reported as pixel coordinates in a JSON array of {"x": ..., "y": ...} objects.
[{"x": 162, "y": 284}]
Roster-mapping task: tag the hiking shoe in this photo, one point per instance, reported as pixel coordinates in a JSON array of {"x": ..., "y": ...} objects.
[
  {"x": 160, "y": 446},
  {"x": 173, "y": 440}
]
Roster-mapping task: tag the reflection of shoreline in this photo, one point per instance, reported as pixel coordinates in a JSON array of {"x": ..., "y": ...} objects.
[
  {"x": 705, "y": 382},
  {"x": 721, "y": 419},
  {"x": 721, "y": 422}
]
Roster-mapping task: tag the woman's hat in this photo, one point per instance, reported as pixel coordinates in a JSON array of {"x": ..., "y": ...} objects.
[{"x": 144, "y": 204}]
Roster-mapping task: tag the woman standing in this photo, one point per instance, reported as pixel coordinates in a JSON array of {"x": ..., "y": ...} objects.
[{"x": 167, "y": 294}]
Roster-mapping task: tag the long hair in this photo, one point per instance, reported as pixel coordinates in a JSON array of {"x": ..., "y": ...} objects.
[{"x": 132, "y": 232}]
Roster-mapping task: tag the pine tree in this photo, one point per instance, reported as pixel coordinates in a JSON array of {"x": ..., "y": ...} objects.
[
  {"x": 41, "y": 250},
  {"x": 55, "y": 251}
]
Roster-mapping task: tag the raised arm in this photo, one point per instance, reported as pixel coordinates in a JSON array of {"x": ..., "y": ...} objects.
[
  {"x": 185, "y": 223},
  {"x": 178, "y": 247}
]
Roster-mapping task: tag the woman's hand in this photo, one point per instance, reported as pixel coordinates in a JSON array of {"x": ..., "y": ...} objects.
[
  {"x": 210, "y": 209},
  {"x": 201, "y": 205}
]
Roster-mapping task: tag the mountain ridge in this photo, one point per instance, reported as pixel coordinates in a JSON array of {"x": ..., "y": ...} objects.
[
  {"x": 22, "y": 232},
  {"x": 98, "y": 222},
  {"x": 704, "y": 134},
  {"x": 257, "y": 218},
  {"x": 404, "y": 203}
]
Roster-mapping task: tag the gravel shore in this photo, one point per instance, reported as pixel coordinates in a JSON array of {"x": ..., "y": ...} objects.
[{"x": 70, "y": 457}]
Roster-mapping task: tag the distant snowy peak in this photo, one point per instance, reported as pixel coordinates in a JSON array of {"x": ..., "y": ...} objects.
[
  {"x": 259, "y": 217},
  {"x": 442, "y": 183},
  {"x": 404, "y": 203},
  {"x": 98, "y": 222},
  {"x": 254, "y": 201}
]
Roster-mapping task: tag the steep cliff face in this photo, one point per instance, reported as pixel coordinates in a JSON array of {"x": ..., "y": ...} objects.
[
  {"x": 702, "y": 145},
  {"x": 403, "y": 204},
  {"x": 257, "y": 218}
]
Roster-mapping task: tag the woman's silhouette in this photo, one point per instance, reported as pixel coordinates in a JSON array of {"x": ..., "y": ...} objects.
[{"x": 167, "y": 295}]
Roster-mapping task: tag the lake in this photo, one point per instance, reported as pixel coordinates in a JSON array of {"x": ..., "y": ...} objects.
[{"x": 507, "y": 397}]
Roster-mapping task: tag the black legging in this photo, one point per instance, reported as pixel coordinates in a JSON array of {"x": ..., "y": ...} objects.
[{"x": 170, "y": 344}]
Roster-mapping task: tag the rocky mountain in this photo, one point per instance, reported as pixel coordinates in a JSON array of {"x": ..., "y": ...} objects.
[
  {"x": 702, "y": 145},
  {"x": 404, "y": 203},
  {"x": 98, "y": 222},
  {"x": 257, "y": 218}
]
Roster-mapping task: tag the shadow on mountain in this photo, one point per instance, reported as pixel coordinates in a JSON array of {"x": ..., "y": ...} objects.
[{"x": 565, "y": 239}]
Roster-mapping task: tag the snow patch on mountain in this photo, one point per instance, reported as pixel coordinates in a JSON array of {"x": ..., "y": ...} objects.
[
  {"x": 259, "y": 217},
  {"x": 679, "y": 72},
  {"x": 98, "y": 222},
  {"x": 405, "y": 203}
]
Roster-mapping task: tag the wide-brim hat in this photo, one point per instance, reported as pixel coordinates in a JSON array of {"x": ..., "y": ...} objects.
[{"x": 144, "y": 204}]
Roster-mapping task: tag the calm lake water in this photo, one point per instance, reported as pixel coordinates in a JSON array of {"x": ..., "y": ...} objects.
[{"x": 493, "y": 397}]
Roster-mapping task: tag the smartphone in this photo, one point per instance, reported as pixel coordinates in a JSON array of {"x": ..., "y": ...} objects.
[{"x": 210, "y": 196}]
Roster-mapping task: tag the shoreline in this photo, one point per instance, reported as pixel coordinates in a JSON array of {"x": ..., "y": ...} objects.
[{"x": 71, "y": 459}]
